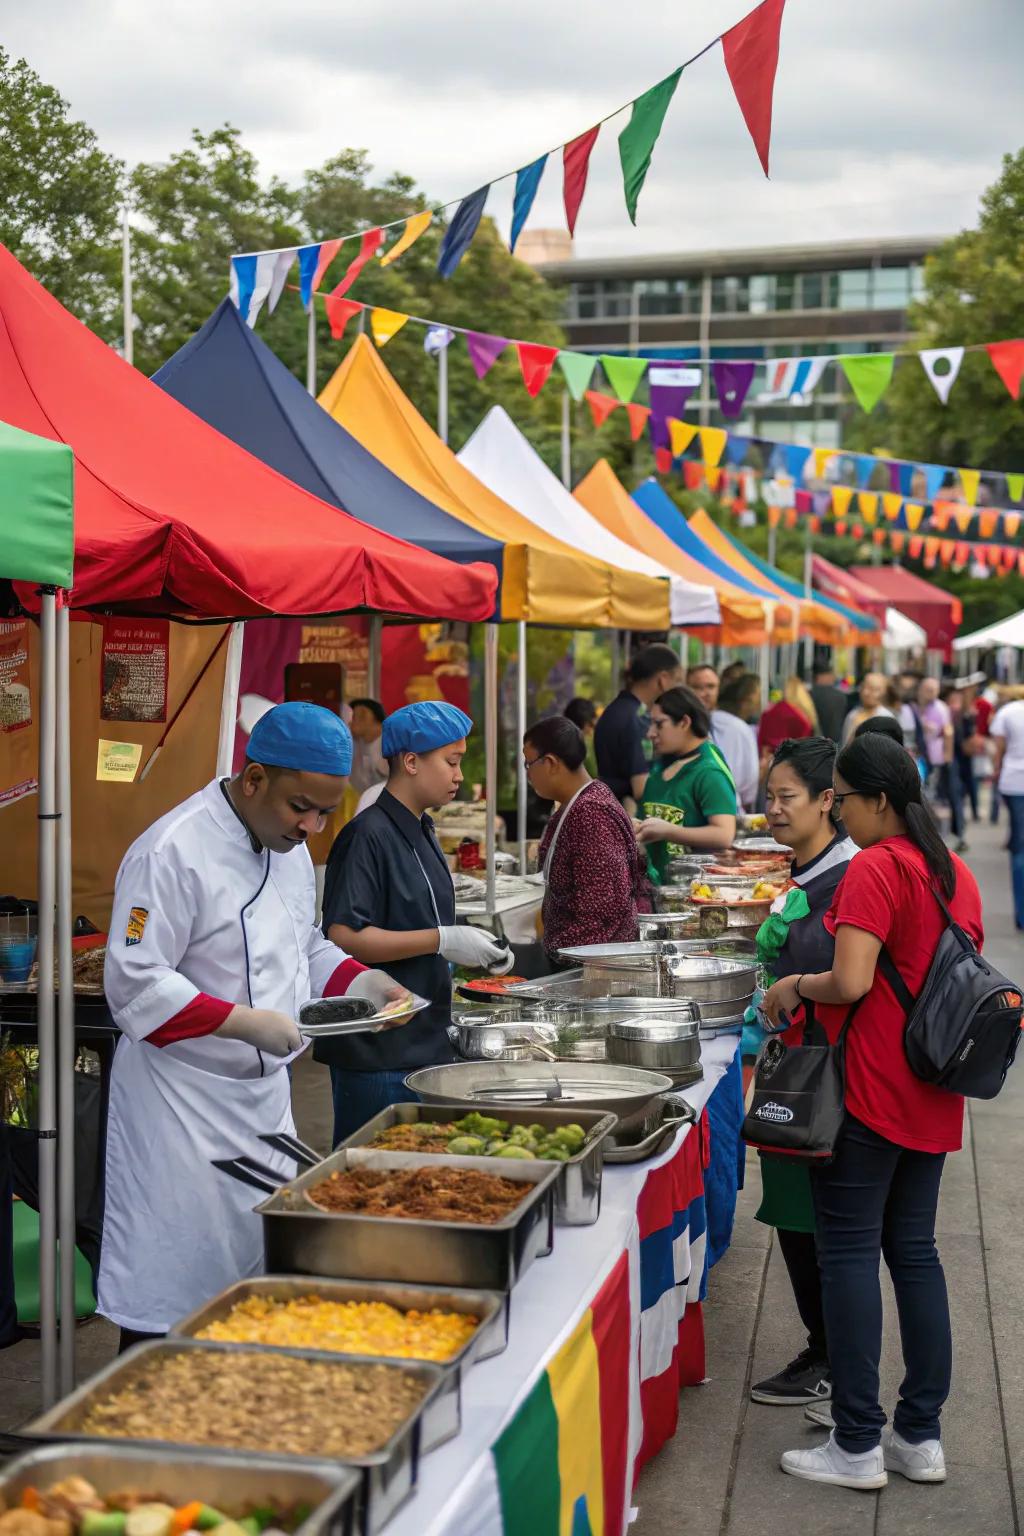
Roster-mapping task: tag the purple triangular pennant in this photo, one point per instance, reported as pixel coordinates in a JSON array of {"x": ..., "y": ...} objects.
[
  {"x": 484, "y": 351},
  {"x": 670, "y": 387},
  {"x": 732, "y": 382}
]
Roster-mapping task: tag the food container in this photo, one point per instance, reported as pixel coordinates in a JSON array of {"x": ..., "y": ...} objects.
[
  {"x": 684, "y": 864},
  {"x": 663, "y": 1045},
  {"x": 577, "y": 1192},
  {"x": 177, "y": 1475},
  {"x": 631, "y": 1147},
  {"x": 623, "y": 1091},
  {"x": 301, "y": 1239},
  {"x": 388, "y": 1474},
  {"x": 501, "y": 1034}
]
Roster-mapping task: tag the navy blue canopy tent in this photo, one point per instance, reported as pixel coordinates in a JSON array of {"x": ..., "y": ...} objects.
[{"x": 233, "y": 380}]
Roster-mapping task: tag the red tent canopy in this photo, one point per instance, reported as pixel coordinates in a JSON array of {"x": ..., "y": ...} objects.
[
  {"x": 171, "y": 516},
  {"x": 843, "y": 587},
  {"x": 938, "y": 613}
]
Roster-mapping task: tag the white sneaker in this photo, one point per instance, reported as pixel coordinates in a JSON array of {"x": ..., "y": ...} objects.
[
  {"x": 922, "y": 1463},
  {"x": 829, "y": 1463},
  {"x": 820, "y": 1413}
]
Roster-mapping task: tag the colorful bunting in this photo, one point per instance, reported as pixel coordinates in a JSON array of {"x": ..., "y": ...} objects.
[
  {"x": 309, "y": 257},
  {"x": 576, "y": 163},
  {"x": 795, "y": 456},
  {"x": 415, "y": 226},
  {"x": 914, "y": 547},
  {"x": 892, "y": 503},
  {"x": 789, "y": 517},
  {"x": 970, "y": 479},
  {"x": 858, "y": 530},
  {"x": 712, "y": 442},
  {"x": 328, "y": 250},
  {"x": 878, "y": 536},
  {"x": 1008, "y": 361},
  {"x": 385, "y": 323},
  {"x": 437, "y": 339},
  {"x": 842, "y": 495},
  {"x": 681, "y": 435},
  {"x": 867, "y": 502},
  {"x": 962, "y": 555},
  {"x": 601, "y": 406},
  {"x": 840, "y": 527},
  {"x": 459, "y": 235},
  {"x": 578, "y": 369},
  {"x": 1011, "y": 523},
  {"x": 751, "y": 50},
  {"x": 913, "y": 512},
  {"x": 693, "y": 475},
  {"x": 669, "y": 389},
  {"x": 369, "y": 245},
  {"x": 897, "y": 541},
  {"x": 732, "y": 382},
  {"x": 963, "y": 519},
  {"x": 868, "y": 375},
  {"x": 821, "y": 459},
  {"x": 663, "y": 460},
  {"x": 624, "y": 374},
  {"x": 638, "y": 415},
  {"x": 535, "y": 364},
  {"x": 527, "y": 182},
  {"x": 484, "y": 351},
  {"x": 774, "y": 516},
  {"x": 339, "y": 313},
  {"x": 988, "y": 522},
  {"x": 947, "y": 549},
  {"x": 942, "y": 379},
  {"x": 638, "y": 138},
  {"x": 1015, "y": 487}
]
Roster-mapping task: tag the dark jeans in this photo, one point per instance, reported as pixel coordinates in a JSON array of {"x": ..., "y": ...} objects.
[
  {"x": 969, "y": 780},
  {"x": 1015, "y": 808},
  {"x": 801, "y": 1255},
  {"x": 358, "y": 1096},
  {"x": 876, "y": 1198},
  {"x": 950, "y": 789}
]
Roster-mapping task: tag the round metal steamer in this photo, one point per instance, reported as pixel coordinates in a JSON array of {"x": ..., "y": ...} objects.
[{"x": 629, "y": 1092}]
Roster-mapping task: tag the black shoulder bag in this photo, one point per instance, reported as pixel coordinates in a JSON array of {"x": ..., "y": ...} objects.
[{"x": 799, "y": 1095}]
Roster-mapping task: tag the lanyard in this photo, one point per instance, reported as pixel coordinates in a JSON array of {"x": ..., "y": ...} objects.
[{"x": 563, "y": 816}]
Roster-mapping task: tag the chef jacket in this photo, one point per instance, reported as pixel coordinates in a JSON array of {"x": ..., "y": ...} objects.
[
  {"x": 202, "y": 920},
  {"x": 386, "y": 870}
]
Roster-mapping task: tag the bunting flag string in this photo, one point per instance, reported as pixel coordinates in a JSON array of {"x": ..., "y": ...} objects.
[
  {"x": 414, "y": 227},
  {"x": 535, "y": 363},
  {"x": 638, "y": 138}
]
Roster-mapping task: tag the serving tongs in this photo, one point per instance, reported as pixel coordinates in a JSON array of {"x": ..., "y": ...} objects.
[{"x": 247, "y": 1170}]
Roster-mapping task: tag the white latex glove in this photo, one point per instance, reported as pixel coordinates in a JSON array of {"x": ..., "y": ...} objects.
[
  {"x": 268, "y": 1031},
  {"x": 504, "y": 965},
  {"x": 381, "y": 990},
  {"x": 465, "y": 945}
]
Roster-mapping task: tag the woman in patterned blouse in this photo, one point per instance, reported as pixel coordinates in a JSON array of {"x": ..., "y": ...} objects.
[{"x": 594, "y": 874}]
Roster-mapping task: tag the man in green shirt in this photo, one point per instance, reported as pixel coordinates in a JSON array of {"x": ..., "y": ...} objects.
[{"x": 690, "y": 796}]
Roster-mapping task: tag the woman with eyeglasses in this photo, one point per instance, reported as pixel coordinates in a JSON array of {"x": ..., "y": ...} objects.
[
  {"x": 878, "y": 1195},
  {"x": 690, "y": 795},
  {"x": 594, "y": 877}
]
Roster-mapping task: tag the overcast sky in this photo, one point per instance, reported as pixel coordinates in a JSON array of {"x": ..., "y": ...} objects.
[{"x": 890, "y": 115}]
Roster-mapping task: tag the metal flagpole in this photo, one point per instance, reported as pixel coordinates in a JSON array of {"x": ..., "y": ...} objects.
[
  {"x": 311, "y": 349},
  {"x": 808, "y": 639},
  {"x": 47, "y": 1113},
  {"x": 374, "y": 638},
  {"x": 229, "y": 700},
  {"x": 442, "y": 394},
  {"x": 65, "y": 1011},
  {"x": 566, "y": 441},
  {"x": 520, "y": 766},
  {"x": 491, "y": 753},
  {"x": 128, "y": 320}
]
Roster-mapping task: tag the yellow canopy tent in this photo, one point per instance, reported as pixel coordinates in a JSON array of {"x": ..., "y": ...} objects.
[
  {"x": 746, "y": 619},
  {"x": 543, "y": 580}
]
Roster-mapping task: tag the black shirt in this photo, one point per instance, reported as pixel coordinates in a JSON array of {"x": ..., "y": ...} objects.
[
  {"x": 619, "y": 738},
  {"x": 386, "y": 870},
  {"x": 809, "y": 947},
  {"x": 832, "y": 706}
]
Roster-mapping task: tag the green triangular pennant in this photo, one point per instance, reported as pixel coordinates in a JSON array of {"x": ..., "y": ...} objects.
[
  {"x": 868, "y": 376},
  {"x": 1015, "y": 487},
  {"x": 624, "y": 374},
  {"x": 638, "y": 138},
  {"x": 578, "y": 370}
]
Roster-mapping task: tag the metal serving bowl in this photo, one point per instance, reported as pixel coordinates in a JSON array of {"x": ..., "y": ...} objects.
[
  {"x": 628, "y": 1092},
  {"x": 661, "y": 1044}
]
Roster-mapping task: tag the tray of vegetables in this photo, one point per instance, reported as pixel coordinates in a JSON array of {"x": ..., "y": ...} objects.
[{"x": 574, "y": 1138}]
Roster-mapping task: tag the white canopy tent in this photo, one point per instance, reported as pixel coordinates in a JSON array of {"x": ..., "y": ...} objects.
[
  {"x": 901, "y": 633},
  {"x": 1006, "y": 632},
  {"x": 500, "y": 456}
]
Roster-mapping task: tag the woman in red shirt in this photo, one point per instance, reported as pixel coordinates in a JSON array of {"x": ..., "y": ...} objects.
[{"x": 879, "y": 1194}]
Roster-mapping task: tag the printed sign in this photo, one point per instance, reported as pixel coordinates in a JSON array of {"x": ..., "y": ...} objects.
[
  {"x": 15, "y": 694},
  {"x": 133, "y": 683},
  {"x": 117, "y": 762}
]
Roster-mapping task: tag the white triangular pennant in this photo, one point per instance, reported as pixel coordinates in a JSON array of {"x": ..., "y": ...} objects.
[
  {"x": 436, "y": 339},
  {"x": 282, "y": 267},
  {"x": 806, "y": 378},
  {"x": 266, "y": 266},
  {"x": 943, "y": 382}
]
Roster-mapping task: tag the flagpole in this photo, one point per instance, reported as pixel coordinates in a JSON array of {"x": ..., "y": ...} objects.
[
  {"x": 128, "y": 320},
  {"x": 311, "y": 350},
  {"x": 566, "y": 442},
  {"x": 442, "y": 394}
]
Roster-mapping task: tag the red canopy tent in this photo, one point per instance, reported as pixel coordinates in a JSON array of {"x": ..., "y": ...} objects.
[
  {"x": 842, "y": 586},
  {"x": 172, "y": 517},
  {"x": 938, "y": 613}
]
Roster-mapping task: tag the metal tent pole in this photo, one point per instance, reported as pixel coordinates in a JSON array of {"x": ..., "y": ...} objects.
[
  {"x": 442, "y": 394},
  {"x": 45, "y": 996},
  {"x": 521, "y": 732},
  {"x": 229, "y": 700},
  {"x": 808, "y": 554},
  {"x": 128, "y": 313},
  {"x": 566, "y": 441},
  {"x": 491, "y": 753},
  {"x": 65, "y": 1011},
  {"x": 311, "y": 348},
  {"x": 374, "y": 640}
]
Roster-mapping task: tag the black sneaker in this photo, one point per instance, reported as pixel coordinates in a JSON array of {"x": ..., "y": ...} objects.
[{"x": 803, "y": 1380}]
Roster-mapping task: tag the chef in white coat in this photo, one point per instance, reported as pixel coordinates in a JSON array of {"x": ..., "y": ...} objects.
[{"x": 213, "y": 948}]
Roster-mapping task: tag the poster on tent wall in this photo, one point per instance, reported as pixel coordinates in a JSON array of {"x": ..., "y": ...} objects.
[
  {"x": 17, "y": 757},
  {"x": 134, "y": 669}
]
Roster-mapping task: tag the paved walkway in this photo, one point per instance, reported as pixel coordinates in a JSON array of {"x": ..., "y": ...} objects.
[{"x": 721, "y": 1477}]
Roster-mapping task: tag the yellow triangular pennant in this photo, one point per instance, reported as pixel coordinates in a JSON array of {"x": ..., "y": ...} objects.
[
  {"x": 414, "y": 227},
  {"x": 963, "y": 519},
  {"x": 842, "y": 495},
  {"x": 385, "y": 323},
  {"x": 970, "y": 479},
  {"x": 681, "y": 435},
  {"x": 712, "y": 442},
  {"x": 892, "y": 501},
  {"x": 914, "y": 513},
  {"x": 821, "y": 458},
  {"x": 867, "y": 501},
  {"x": 713, "y": 476}
]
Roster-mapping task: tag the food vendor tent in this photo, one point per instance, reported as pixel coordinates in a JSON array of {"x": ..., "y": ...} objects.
[
  {"x": 544, "y": 580},
  {"x": 172, "y": 517},
  {"x": 938, "y": 613},
  {"x": 863, "y": 629},
  {"x": 606, "y": 498},
  {"x": 500, "y": 455},
  {"x": 233, "y": 380},
  {"x": 1006, "y": 632},
  {"x": 901, "y": 633}
]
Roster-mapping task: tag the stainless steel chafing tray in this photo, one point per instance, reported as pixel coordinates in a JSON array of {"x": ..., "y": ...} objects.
[
  {"x": 578, "y": 1191},
  {"x": 388, "y": 1475},
  {"x": 178, "y": 1474},
  {"x": 300, "y": 1239}
]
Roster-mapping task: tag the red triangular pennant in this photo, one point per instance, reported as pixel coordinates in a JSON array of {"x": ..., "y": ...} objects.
[
  {"x": 751, "y": 50},
  {"x": 1008, "y": 361},
  {"x": 663, "y": 460},
  {"x": 535, "y": 363},
  {"x": 840, "y": 527},
  {"x": 638, "y": 415},
  {"x": 601, "y": 406},
  {"x": 693, "y": 475},
  {"x": 947, "y": 549},
  {"x": 1009, "y": 558},
  {"x": 328, "y": 250},
  {"x": 339, "y": 313},
  {"x": 962, "y": 554},
  {"x": 915, "y": 546},
  {"x": 878, "y": 535},
  {"x": 576, "y": 163},
  {"x": 371, "y": 242}
]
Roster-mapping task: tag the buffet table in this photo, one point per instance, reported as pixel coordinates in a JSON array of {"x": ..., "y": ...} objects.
[{"x": 603, "y": 1335}]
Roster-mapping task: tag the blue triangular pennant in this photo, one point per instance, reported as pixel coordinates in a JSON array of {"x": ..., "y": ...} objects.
[{"x": 527, "y": 182}]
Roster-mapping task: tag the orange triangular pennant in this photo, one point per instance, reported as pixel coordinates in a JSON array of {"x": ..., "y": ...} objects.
[
  {"x": 988, "y": 522},
  {"x": 963, "y": 519},
  {"x": 1011, "y": 523},
  {"x": 946, "y": 551},
  {"x": 638, "y": 415},
  {"x": 789, "y": 517},
  {"x": 774, "y": 516},
  {"x": 601, "y": 406}
]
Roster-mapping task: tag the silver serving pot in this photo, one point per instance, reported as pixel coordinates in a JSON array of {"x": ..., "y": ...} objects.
[{"x": 660, "y": 1045}]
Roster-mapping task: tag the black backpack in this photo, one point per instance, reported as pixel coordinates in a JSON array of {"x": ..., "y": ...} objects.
[{"x": 964, "y": 1026}]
